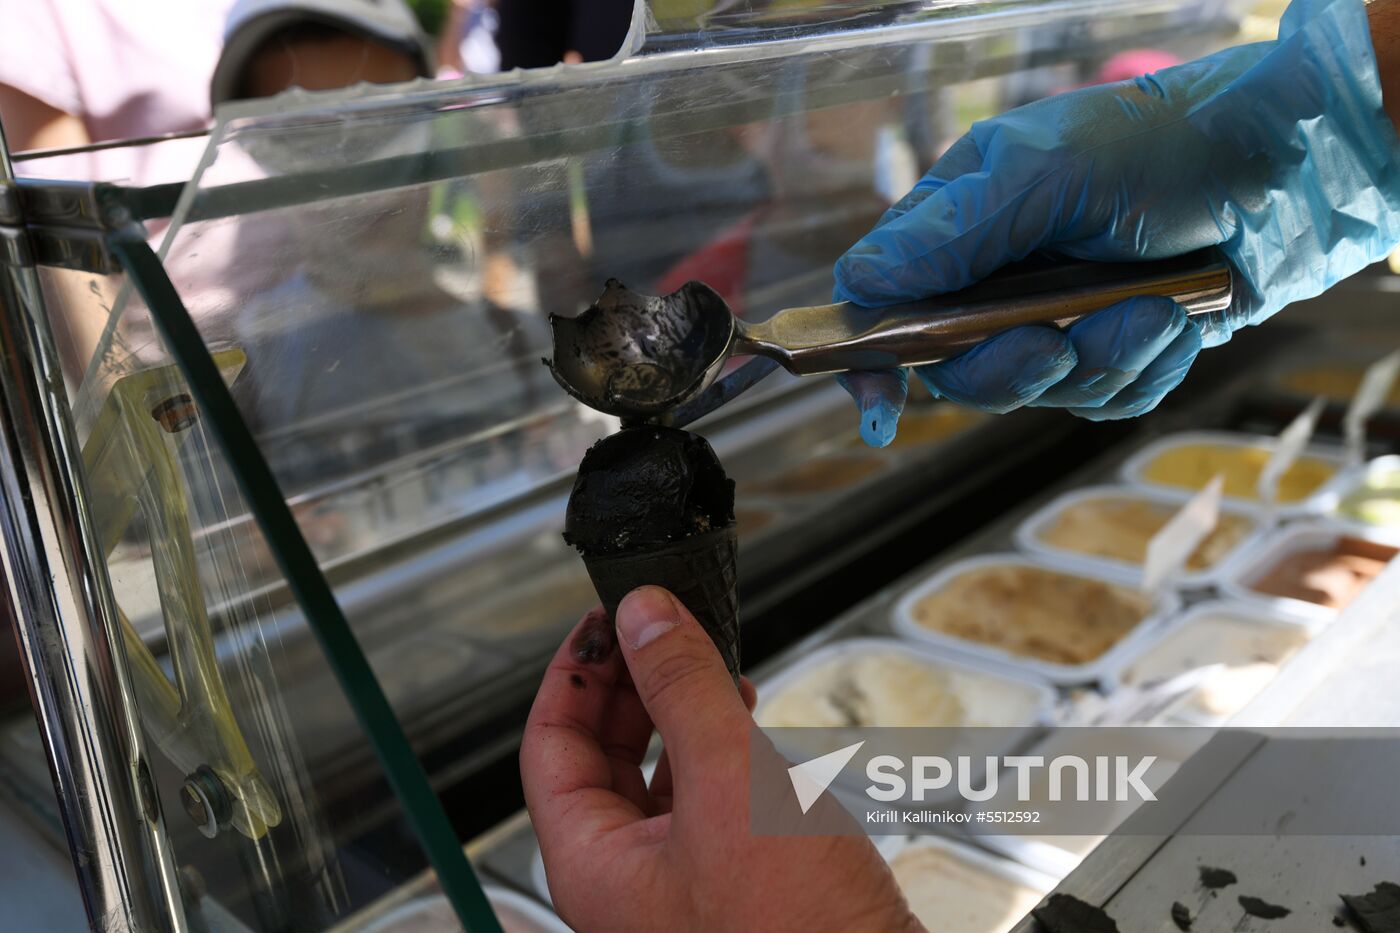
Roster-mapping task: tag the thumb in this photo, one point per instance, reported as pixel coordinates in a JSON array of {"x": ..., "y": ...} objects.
[
  {"x": 680, "y": 677},
  {"x": 880, "y": 396}
]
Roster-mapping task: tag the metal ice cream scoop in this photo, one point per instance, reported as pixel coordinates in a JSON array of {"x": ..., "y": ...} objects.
[{"x": 657, "y": 358}]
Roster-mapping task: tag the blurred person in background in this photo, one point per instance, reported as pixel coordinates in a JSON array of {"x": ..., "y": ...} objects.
[
  {"x": 77, "y": 72},
  {"x": 274, "y": 45},
  {"x": 468, "y": 40},
  {"x": 540, "y": 33},
  {"x": 377, "y": 336},
  {"x": 74, "y": 72}
]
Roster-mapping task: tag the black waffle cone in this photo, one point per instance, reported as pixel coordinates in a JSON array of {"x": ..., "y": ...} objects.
[{"x": 702, "y": 572}]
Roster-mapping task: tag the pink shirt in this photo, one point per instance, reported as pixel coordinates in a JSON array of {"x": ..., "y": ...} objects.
[{"x": 126, "y": 68}]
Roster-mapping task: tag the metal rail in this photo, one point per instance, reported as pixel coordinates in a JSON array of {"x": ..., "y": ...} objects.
[{"x": 67, "y": 628}]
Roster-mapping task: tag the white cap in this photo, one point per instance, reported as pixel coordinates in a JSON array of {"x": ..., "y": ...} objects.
[{"x": 251, "y": 22}]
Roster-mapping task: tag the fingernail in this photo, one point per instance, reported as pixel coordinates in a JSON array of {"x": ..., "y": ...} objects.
[
  {"x": 879, "y": 420},
  {"x": 646, "y": 614},
  {"x": 595, "y": 638}
]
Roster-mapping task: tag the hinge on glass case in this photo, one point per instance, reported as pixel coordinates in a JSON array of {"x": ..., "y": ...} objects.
[
  {"x": 14, "y": 247},
  {"x": 9, "y": 204},
  {"x": 74, "y": 248},
  {"x": 67, "y": 221}
]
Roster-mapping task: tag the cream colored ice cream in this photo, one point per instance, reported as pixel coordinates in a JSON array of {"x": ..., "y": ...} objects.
[
  {"x": 886, "y": 688},
  {"x": 1033, "y": 612},
  {"x": 1120, "y": 526},
  {"x": 1191, "y": 466},
  {"x": 952, "y": 894},
  {"x": 1251, "y": 652},
  {"x": 1375, "y": 502}
]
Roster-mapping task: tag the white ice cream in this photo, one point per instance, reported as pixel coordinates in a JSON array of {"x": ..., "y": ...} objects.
[
  {"x": 1250, "y": 651},
  {"x": 952, "y": 894},
  {"x": 886, "y": 688}
]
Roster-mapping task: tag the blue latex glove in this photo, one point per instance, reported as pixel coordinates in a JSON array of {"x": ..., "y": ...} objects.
[{"x": 1278, "y": 152}]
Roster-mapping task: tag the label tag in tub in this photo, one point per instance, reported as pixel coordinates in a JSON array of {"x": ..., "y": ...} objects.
[
  {"x": 1370, "y": 398},
  {"x": 1291, "y": 441},
  {"x": 1141, "y": 703},
  {"x": 1177, "y": 540}
]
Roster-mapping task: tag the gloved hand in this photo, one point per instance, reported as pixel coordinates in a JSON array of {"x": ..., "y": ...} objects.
[{"x": 1278, "y": 152}]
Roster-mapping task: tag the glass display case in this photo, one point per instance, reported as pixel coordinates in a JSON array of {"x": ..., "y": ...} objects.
[{"x": 368, "y": 274}]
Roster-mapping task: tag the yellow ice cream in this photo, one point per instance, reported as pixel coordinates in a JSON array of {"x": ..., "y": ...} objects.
[
  {"x": 1033, "y": 612},
  {"x": 1377, "y": 502},
  {"x": 951, "y": 894},
  {"x": 1121, "y": 527},
  {"x": 1193, "y": 465},
  {"x": 1337, "y": 382},
  {"x": 1252, "y": 653}
]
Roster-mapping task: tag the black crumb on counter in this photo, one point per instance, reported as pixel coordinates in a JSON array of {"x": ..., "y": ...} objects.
[
  {"x": 1217, "y": 877},
  {"x": 1258, "y": 907},
  {"x": 1063, "y": 913},
  {"x": 1181, "y": 916}
]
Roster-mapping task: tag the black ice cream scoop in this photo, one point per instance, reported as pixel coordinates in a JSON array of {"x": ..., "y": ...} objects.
[{"x": 657, "y": 358}]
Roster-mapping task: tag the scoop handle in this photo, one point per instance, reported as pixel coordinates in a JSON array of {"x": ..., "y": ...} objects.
[{"x": 845, "y": 336}]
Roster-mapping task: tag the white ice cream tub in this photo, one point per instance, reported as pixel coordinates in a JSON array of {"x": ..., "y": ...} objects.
[
  {"x": 1240, "y": 572},
  {"x": 1029, "y": 535},
  {"x": 1035, "y": 698},
  {"x": 433, "y": 914},
  {"x": 1164, "y": 605},
  {"x": 1027, "y": 703},
  {"x": 1250, "y": 616},
  {"x": 1322, "y": 500},
  {"x": 1058, "y": 855},
  {"x": 998, "y": 868},
  {"x": 1356, "y": 481}
]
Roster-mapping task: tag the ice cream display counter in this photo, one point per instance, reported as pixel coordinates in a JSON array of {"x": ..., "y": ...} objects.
[
  {"x": 285, "y": 479},
  {"x": 1057, "y": 636}
]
